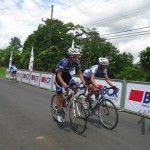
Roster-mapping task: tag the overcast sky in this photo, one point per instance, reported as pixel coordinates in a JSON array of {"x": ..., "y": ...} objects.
[{"x": 19, "y": 18}]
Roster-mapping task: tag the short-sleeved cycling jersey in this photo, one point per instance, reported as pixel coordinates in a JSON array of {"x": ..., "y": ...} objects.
[
  {"x": 94, "y": 70},
  {"x": 66, "y": 66},
  {"x": 13, "y": 68}
]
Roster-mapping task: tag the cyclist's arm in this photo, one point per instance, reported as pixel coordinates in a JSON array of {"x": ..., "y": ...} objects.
[
  {"x": 108, "y": 80},
  {"x": 59, "y": 74},
  {"x": 81, "y": 76},
  {"x": 93, "y": 80}
]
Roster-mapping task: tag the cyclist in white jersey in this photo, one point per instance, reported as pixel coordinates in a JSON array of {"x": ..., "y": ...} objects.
[
  {"x": 92, "y": 72},
  {"x": 13, "y": 71}
]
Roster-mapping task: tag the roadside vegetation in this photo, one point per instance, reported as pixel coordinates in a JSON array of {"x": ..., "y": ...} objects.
[
  {"x": 2, "y": 72},
  {"x": 50, "y": 49}
]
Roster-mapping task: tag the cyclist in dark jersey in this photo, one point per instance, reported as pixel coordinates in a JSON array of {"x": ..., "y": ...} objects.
[
  {"x": 92, "y": 72},
  {"x": 63, "y": 76}
]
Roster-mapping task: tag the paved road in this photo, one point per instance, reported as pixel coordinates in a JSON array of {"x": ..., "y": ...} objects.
[{"x": 26, "y": 124}]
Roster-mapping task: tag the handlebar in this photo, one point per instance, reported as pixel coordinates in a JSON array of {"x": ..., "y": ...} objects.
[{"x": 115, "y": 89}]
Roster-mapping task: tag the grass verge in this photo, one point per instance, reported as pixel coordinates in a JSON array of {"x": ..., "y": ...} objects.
[{"x": 2, "y": 72}]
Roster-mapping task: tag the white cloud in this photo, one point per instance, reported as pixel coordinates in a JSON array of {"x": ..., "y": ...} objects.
[{"x": 19, "y": 18}]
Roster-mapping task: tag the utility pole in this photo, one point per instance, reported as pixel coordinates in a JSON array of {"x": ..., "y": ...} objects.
[{"x": 51, "y": 24}]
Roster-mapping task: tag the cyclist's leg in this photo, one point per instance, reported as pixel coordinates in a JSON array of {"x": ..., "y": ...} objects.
[
  {"x": 12, "y": 75},
  {"x": 15, "y": 74},
  {"x": 58, "y": 101},
  {"x": 85, "y": 99},
  {"x": 91, "y": 91},
  {"x": 59, "y": 89}
]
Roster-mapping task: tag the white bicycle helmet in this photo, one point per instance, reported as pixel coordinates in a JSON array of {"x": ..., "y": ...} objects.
[
  {"x": 73, "y": 51},
  {"x": 103, "y": 61}
]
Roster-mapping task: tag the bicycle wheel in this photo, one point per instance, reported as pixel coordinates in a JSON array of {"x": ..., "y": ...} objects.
[
  {"x": 53, "y": 109},
  {"x": 77, "y": 117},
  {"x": 80, "y": 99},
  {"x": 108, "y": 114}
]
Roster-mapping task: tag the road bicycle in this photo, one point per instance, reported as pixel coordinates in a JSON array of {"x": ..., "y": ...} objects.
[
  {"x": 77, "y": 114},
  {"x": 102, "y": 107}
]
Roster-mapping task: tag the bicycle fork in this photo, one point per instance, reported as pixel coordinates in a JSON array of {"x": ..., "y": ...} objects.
[{"x": 76, "y": 111}]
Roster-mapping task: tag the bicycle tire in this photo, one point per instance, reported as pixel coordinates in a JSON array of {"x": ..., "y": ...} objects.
[
  {"x": 77, "y": 117},
  {"x": 108, "y": 114},
  {"x": 53, "y": 110},
  {"x": 80, "y": 98}
]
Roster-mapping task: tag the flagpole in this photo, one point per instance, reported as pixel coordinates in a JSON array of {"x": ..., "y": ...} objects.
[
  {"x": 31, "y": 60},
  {"x": 10, "y": 59}
]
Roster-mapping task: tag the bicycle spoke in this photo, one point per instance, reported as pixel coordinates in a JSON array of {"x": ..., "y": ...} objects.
[
  {"x": 77, "y": 117},
  {"x": 108, "y": 114}
]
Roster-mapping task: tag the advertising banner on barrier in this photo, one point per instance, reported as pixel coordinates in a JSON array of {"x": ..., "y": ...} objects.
[
  {"x": 19, "y": 75},
  {"x": 138, "y": 98},
  {"x": 7, "y": 73},
  {"x": 46, "y": 81},
  {"x": 54, "y": 83},
  {"x": 116, "y": 98},
  {"x": 77, "y": 79},
  {"x": 35, "y": 78},
  {"x": 25, "y": 76}
]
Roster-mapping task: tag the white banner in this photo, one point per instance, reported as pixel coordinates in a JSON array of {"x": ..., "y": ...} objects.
[
  {"x": 54, "y": 83},
  {"x": 35, "y": 78},
  {"x": 138, "y": 98},
  {"x": 46, "y": 81},
  {"x": 78, "y": 80},
  {"x": 8, "y": 73},
  {"x": 26, "y": 76},
  {"x": 115, "y": 98},
  {"x": 19, "y": 75}
]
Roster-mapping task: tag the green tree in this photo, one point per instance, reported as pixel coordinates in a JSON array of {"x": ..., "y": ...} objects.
[
  {"x": 119, "y": 62},
  {"x": 134, "y": 73},
  {"x": 145, "y": 62},
  {"x": 15, "y": 44}
]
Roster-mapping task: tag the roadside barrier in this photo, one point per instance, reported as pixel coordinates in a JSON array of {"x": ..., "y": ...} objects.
[{"x": 133, "y": 97}]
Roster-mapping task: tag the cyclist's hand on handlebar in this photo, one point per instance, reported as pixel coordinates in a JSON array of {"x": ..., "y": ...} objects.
[
  {"x": 67, "y": 88},
  {"x": 113, "y": 87},
  {"x": 85, "y": 86}
]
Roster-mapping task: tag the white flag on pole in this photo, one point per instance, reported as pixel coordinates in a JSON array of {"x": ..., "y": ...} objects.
[
  {"x": 10, "y": 60},
  {"x": 72, "y": 46},
  {"x": 72, "y": 72},
  {"x": 31, "y": 60}
]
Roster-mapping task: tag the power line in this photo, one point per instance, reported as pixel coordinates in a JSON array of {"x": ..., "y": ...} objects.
[
  {"x": 126, "y": 31},
  {"x": 122, "y": 16},
  {"x": 109, "y": 38},
  {"x": 100, "y": 6}
]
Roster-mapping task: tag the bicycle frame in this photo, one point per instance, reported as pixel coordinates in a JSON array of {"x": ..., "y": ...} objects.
[
  {"x": 101, "y": 97},
  {"x": 72, "y": 100}
]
